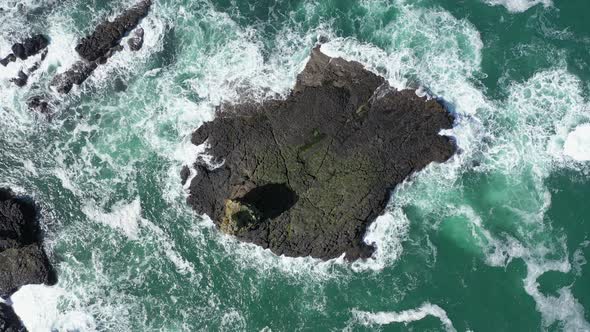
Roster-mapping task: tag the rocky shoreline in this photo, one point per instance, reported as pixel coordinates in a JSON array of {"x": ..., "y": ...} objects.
[
  {"x": 23, "y": 260},
  {"x": 306, "y": 175}
]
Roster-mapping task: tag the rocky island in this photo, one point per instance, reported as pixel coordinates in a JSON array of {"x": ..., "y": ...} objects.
[
  {"x": 306, "y": 175},
  {"x": 22, "y": 258}
]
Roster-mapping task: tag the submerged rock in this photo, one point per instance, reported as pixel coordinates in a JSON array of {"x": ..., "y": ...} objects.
[
  {"x": 39, "y": 104},
  {"x": 21, "y": 79},
  {"x": 108, "y": 34},
  {"x": 305, "y": 176},
  {"x": 136, "y": 41},
  {"x": 184, "y": 174},
  {"x": 9, "y": 321},
  {"x": 22, "y": 258}
]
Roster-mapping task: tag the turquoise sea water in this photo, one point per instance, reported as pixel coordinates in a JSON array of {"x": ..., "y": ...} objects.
[{"x": 496, "y": 239}]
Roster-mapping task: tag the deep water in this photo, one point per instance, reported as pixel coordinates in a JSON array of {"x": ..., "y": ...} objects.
[{"x": 496, "y": 239}]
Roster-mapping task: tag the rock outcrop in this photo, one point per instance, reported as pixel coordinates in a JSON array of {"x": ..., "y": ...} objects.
[
  {"x": 22, "y": 258},
  {"x": 101, "y": 45},
  {"x": 21, "y": 79},
  {"x": 305, "y": 176},
  {"x": 29, "y": 47},
  {"x": 77, "y": 74},
  {"x": 9, "y": 321},
  {"x": 108, "y": 34}
]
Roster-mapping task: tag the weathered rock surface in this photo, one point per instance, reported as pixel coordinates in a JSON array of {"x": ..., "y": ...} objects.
[
  {"x": 9, "y": 321},
  {"x": 77, "y": 74},
  {"x": 136, "y": 41},
  {"x": 22, "y": 259},
  {"x": 108, "y": 34},
  {"x": 101, "y": 45},
  {"x": 305, "y": 176},
  {"x": 29, "y": 47}
]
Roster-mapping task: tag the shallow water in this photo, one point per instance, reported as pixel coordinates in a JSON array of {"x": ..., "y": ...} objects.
[{"x": 495, "y": 240}]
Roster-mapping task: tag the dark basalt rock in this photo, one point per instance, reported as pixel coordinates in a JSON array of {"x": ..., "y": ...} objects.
[
  {"x": 101, "y": 45},
  {"x": 79, "y": 72},
  {"x": 30, "y": 47},
  {"x": 39, "y": 104},
  {"x": 9, "y": 321},
  {"x": 305, "y": 176},
  {"x": 22, "y": 259},
  {"x": 21, "y": 79},
  {"x": 9, "y": 58},
  {"x": 108, "y": 34},
  {"x": 120, "y": 85},
  {"x": 136, "y": 42}
]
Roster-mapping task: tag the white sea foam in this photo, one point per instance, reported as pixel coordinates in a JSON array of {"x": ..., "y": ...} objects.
[
  {"x": 406, "y": 316},
  {"x": 38, "y": 307},
  {"x": 232, "y": 320},
  {"x": 265, "y": 262},
  {"x": 166, "y": 244},
  {"x": 542, "y": 111},
  {"x": 500, "y": 251},
  {"x": 124, "y": 217},
  {"x": 563, "y": 308},
  {"x": 387, "y": 234},
  {"x": 518, "y": 6},
  {"x": 577, "y": 144}
]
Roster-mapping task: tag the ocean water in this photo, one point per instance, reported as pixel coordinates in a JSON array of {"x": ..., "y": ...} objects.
[{"x": 496, "y": 239}]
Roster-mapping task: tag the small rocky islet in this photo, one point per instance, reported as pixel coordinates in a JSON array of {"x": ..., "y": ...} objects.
[{"x": 306, "y": 175}]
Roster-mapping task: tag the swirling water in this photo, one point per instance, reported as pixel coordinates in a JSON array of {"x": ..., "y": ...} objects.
[{"x": 494, "y": 240}]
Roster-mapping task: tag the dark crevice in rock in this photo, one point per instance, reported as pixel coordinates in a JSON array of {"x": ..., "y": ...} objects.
[{"x": 270, "y": 200}]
